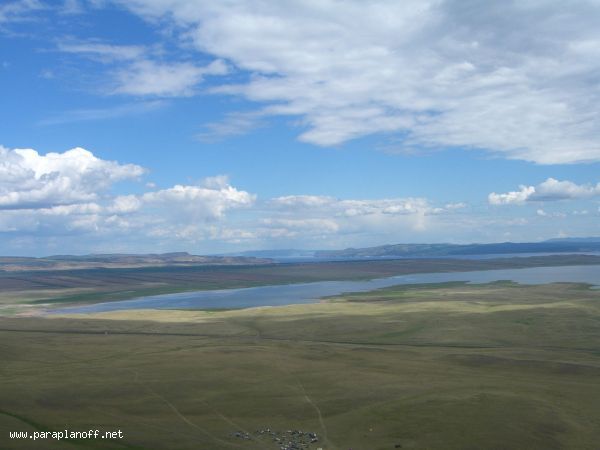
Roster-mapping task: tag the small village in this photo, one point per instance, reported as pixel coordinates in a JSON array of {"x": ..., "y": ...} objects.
[{"x": 282, "y": 440}]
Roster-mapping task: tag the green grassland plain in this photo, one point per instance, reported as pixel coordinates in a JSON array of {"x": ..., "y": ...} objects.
[{"x": 450, "y": 366}]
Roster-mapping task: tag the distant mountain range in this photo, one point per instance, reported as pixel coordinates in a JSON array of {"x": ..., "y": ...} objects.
[
  {"x": 568, "y": 245},
  {"x": 182, "y": 259},
  {"x": 276, "y": 254},
  {"x": 575, "y": 239},
  {"x": 118, "y": 260}
]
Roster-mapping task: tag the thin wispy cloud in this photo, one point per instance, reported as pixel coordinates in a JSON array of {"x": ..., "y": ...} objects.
[
  {"x": 110, "y": 113},
  {"x": 102, "y": 51},
  {"x": 19, "y": 10},
  {"x": 141, "y": 71},
  {"x": 72, "y": 7},
  {"x": 163, "y": 79},
  {"x": 234, "y": 124}
]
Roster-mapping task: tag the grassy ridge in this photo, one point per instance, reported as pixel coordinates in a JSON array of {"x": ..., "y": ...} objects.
[{"x": 453, "y": 366}]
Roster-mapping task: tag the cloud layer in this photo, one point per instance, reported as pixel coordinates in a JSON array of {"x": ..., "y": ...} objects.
[
  {"x": 71, "y": 195},
  {"x": 70, "y": 200},
  {"x": 518, "y": 79}
]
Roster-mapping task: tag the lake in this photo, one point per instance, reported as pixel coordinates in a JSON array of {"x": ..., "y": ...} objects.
[{"x": 286, "y": 294}]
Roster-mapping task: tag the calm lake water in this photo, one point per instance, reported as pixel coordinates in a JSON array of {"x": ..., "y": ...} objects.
[{"x": 287, "y": 294}]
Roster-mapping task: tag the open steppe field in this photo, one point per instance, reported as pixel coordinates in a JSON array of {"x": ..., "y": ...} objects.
[{"x": 453, "y": 366}]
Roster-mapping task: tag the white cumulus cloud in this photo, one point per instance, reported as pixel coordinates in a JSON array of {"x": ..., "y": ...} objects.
[
  {"x": 208, "y": 202},
  {"x": 549, "y": 190},
  {"x": 31, "y": 180},
  {"x": 317, "y": 216},
  {"x": 513, "y": 197}
]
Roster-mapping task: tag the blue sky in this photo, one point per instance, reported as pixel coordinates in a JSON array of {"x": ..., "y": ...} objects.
[{"x": 161, "y": 125}]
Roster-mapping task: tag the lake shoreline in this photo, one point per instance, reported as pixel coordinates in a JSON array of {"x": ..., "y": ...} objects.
[{"x": 305, "y": 293}]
